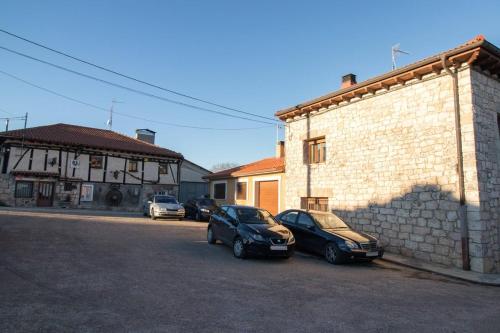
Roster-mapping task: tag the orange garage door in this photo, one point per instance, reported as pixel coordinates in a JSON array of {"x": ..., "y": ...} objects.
[{"x": 268, "y": 196}]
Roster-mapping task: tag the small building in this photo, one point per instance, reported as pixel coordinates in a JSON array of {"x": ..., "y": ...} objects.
[
  {"x": 74, "y": 166},
  {"x": 259, "y": 184},
  {"x": 412, "y": 156},
  {"x": 193, "y": 183}
]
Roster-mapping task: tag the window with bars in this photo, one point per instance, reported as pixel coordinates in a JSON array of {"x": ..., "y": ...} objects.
[
  {"x": 24, "y": 190},
  {"x": 133, "y": 166},
  {"x": 241, "y": 190},
  {"x": 316, "y": 150},
  {"x": 163, "y": 168},
  {"x": 314, "y": 203}
]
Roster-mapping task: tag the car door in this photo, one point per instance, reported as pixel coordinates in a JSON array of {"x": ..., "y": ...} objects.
[
  {"x": 228, "y": 227},
  {"x": 307, "y": 233},
  {"x": 217, "y": 221},
  {"x": 289, "y": 220}
]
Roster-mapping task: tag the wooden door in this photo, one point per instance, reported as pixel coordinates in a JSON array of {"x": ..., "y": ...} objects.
[
  {"x": 45, "y": 194},
  {"x": 268, "y": 196}
]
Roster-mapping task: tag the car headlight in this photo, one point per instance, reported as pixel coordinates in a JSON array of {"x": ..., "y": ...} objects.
[
  {"x": 204, "y": 210},
  {"x": 291, "y": 239},
  {"x": 257, "y": 237},
  {"x": 163, "y": 209},
  {"x": 348, "y": 245}
]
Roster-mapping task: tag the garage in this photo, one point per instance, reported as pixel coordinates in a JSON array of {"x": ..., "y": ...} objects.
[{"x": 267, "y": 196}]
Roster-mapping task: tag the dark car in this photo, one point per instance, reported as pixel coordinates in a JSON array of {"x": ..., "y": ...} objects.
[
  {"x": 326, "y": 234},
  {"x": 250, "y": 231},
  {"x": 200, "y": 209}
]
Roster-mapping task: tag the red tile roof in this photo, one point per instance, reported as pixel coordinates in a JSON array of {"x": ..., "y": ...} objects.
[
  {"x": 88, "y": 137},
  {"x": 267, "y": 165}
]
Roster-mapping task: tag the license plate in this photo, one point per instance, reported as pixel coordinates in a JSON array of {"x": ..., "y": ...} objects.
[
  {"x": 279, "y": 247},
  {"x": 372, "y": 254}
]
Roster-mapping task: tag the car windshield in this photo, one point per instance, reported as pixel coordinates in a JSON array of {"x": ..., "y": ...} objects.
[
  {"x": 206, "y": 202},
  {"x": 165, "y": 199},
  {"x": 254, "y": 216},
  {"x": 329, "y": 221}
]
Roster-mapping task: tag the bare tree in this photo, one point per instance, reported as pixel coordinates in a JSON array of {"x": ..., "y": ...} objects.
[{"x": 223, "y": 166}]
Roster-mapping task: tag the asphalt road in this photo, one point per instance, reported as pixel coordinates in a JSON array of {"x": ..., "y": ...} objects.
[{"x": 62, "y": 273}]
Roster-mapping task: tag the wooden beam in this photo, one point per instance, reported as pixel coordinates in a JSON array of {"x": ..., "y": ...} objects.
[
  {"x": 436, "y": 69},
  {"x": 400, "y": 81},
  {"x": 473, "y": 57}
]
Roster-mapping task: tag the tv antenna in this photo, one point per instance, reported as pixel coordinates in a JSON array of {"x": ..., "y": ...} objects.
[
  {"x": 395, "y": 50},
  {"x": 110, "y": 120}
]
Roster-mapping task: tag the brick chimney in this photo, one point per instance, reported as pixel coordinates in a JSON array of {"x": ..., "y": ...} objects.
[
  {"x": 348, "y": 80},
  {"x": 145, "y": 135},
  {"x": 280, "y": 149}
]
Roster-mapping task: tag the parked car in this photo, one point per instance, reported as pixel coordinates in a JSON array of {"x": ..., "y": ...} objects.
[
  {"x": 250, "y": 231},
  {"x": 326, "y": 234},
  {"x": 163, "y": 206},
  {"x": 200, "y": 209}
]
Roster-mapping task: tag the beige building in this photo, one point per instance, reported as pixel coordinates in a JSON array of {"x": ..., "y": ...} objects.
[
  {"x": 259, "y": 184},
  {"x": 411, "y": 156}
]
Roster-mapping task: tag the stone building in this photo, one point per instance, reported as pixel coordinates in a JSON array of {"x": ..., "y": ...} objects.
[
  {"x": 73, "y": 166},
  {"x": 412, "y": 156}
]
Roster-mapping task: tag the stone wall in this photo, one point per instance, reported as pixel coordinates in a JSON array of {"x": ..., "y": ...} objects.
[
  {"x": 485, "y": 223},
  {"x": 391, "y": 166}
]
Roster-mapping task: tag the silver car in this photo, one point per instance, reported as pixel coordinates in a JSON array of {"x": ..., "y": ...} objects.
[{"x": 163, "y": 206}]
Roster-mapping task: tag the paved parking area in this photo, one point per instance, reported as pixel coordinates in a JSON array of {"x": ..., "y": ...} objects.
[{"x": 67, "y": 272}]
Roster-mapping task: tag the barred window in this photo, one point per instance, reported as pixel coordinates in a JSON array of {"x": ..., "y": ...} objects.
[
  {"x": 163, "y": 168},
  {"x": 133, "y": 166},
  {"x": 314, "y": 203},
  {"x": 96, "y": 162},
  {"x": 24, "y": 189}
]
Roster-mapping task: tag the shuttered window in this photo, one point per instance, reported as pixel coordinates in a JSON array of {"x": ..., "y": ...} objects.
[
  {"x": 314, "y": 203},
  {"x": 24, "y": 189},
  {"x": 316, "y": 150}
]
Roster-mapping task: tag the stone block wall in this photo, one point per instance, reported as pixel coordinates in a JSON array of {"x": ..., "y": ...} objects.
[{"x": 391, "y": 166}]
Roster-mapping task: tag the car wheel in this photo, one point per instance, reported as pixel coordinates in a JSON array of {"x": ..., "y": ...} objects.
[
  {"x": 152, "y": 214},
  {"x": 332, "y": 254},
  {"x": 239, "y": 248},
  {"x": 211, "y": 237}
]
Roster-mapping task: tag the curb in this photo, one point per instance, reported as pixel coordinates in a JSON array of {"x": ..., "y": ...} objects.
[{"x": 438, "y": 272}]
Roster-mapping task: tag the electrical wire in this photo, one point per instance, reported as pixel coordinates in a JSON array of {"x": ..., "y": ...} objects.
[
  {"x": 140, "y": 92},
  {"x": 120, "y": 113},
  {"x": 133, "y": 78}
]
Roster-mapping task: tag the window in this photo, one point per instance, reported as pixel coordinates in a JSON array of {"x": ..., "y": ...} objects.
[
  {"x": 24, "y": 189},
  {"x": 133, "y": 166},
  {"x": 317, "y": 204},
  {"x": 290, "y": 217},
  {"x": 220, "y": 191},
  {"x": 163, "y": 168},
  {"x": 232, "y": 214},
  {"x": 68, "y": 186},
  {"x": 241, "y": 191},
  {"x": 316, "y": 151},
  {"x": 305, "y": 220},
  {"x": 95, "y": 162},
  {"x": 87, "y": 193}
]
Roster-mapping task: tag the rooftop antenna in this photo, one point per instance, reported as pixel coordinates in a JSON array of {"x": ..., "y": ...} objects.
[
  {"x": 395, "y": 50},
  {"x": 110, "y": 120}
]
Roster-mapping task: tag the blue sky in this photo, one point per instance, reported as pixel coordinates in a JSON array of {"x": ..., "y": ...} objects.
[{"x": 257, "y": 56}]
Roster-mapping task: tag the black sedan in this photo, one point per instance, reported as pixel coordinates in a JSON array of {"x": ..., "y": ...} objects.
[
  {"x": 326, "y": 234},
  {"x": 200, "y": 209},
  {"x": 250, "y": 231}
]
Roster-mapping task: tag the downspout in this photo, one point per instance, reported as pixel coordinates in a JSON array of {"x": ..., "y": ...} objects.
[{"x": 464, "y": 227}]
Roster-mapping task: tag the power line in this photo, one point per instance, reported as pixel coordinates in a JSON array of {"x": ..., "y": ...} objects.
[
  {"x": 132, "y": 89},
  {"x": 133, "y": 78},
  {"x": 120, "y": 113}
]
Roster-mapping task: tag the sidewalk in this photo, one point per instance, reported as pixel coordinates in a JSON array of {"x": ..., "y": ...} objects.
[
  {"x": 73, "y": 211},
  {"x": 469, "y": 276}
]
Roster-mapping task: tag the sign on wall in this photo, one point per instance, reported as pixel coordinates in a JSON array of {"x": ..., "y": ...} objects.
[{"x": 87, "y": 193}]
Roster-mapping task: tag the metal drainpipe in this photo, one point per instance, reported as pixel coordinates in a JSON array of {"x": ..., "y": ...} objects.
[{"x": 464, "y": 227}]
